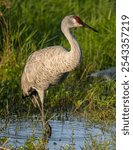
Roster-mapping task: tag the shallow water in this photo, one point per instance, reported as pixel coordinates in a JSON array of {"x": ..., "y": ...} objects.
[{"x": 65, "y": 131}]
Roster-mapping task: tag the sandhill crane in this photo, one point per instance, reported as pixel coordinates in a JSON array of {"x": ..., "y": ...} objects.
[
  {"x": 109, "y": 74},
  {"x": 51, "y": 65}
]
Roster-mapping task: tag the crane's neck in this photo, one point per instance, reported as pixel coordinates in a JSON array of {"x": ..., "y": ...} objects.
[{"x": 74, "y": 55}]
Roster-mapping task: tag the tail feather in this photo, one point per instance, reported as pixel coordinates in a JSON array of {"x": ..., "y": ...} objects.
[
  {"x": 23, "y": 97},
  {"x": 30, "y": 93}
]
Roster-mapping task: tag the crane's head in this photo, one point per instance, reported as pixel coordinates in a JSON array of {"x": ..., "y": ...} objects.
[{"x": 74, "y": 21}]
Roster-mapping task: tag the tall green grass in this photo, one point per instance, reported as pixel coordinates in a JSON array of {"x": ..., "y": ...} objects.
[{"x": 26, "y": 26}]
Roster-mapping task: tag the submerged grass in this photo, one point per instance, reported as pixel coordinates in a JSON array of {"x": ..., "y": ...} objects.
[
  {"x": 37, "y": 144},
  {"x": 26, "y": 26},
  {"x": 103, "y": 138}
]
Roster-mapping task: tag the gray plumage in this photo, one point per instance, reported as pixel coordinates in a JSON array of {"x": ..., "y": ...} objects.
[
  {"x": 51, "y": 65},
  {"x": 109, "y": 74}
]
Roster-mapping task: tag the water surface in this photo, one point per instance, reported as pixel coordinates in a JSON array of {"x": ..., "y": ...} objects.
[{"x": 65, "y": 131}]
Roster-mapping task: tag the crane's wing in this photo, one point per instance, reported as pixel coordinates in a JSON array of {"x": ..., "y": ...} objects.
[{"x": 41, "y": 64}]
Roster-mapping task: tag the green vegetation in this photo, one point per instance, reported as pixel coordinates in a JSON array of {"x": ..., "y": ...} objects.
[{"x": 26, "y": 26}]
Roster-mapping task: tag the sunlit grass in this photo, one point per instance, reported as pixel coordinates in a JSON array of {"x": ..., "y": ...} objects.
[{"x": 26, "y": 26}]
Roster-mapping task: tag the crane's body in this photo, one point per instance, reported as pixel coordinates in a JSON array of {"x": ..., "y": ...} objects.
[
  {"x": 51, "y": 65},
  {"x": 47, "y": 67}
]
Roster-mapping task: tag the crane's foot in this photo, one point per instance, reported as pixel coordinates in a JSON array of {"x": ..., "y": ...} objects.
[{"x": 47, "y": 129}]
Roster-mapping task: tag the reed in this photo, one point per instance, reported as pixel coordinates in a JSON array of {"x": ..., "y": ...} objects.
[{"x": 26, "y": 26}]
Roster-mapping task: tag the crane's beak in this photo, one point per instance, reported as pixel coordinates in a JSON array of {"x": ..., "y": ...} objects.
[{"x": 87, "y": 26}]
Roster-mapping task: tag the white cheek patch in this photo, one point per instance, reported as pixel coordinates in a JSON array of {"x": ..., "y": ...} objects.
[{"x": 74, "y": 20}]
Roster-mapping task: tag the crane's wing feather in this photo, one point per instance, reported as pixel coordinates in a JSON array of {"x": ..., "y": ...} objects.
[{"x": 43, "y": 66}]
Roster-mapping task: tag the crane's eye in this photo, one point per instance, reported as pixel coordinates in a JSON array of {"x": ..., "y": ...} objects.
[{"x": 78, "y": 20}]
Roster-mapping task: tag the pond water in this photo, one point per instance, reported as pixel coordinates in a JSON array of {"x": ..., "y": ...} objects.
[{"x": 65, "y": 131}]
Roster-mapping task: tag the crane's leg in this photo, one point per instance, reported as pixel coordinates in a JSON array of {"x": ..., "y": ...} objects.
[
  {"x": 46, "y": 127},
  {"x": 35, "y": 102},
  {"x": 41, "y": 96}
]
